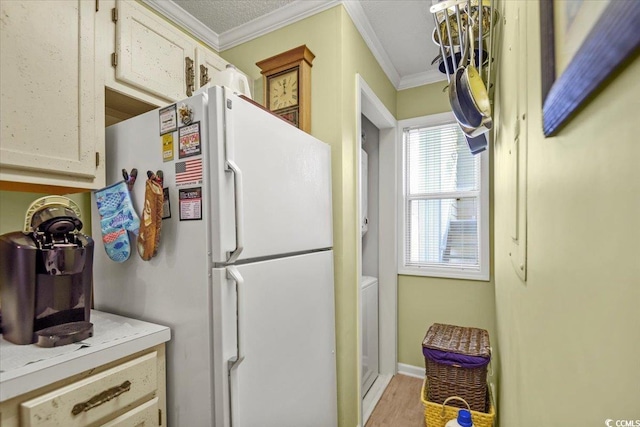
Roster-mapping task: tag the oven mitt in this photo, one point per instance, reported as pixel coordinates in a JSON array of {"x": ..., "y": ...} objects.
[
  {"x": 117, "y": 216},
  {"x": 149, "y": 237}
]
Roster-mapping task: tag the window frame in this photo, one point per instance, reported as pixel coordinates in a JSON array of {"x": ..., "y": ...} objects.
[{"x": 461, "y": 272}]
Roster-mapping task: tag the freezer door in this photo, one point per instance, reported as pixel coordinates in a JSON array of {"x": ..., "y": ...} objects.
[
  {"x": 273, "y": 182},
  {"x": 274, "y": 343}
]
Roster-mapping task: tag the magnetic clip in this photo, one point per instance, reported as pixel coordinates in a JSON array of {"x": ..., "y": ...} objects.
[
  {"x": 130, "y": 178},
  {"x": 158, "y": 177}
]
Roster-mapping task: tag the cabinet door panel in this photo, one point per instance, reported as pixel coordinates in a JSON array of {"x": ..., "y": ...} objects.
[
  {"x": 208, "y": 64},
  {"x": 50, "y": 102},
  {"x": 97, "y": 397},
  {"x": 151, "y": 53}
]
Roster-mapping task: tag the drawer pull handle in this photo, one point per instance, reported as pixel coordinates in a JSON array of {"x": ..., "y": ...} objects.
[
  {"x": 101, "y": 398},
  {"x": 190, "y": 74},
  {"x": 204, "y": 75}
]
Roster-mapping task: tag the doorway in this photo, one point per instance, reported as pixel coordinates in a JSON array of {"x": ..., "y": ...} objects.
[
  {"x": 369, "y": 226},
  {"x": 377, "y": 254}
]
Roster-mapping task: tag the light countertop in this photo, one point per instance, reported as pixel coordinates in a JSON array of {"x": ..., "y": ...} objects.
[{"x": 24, "y": 368}]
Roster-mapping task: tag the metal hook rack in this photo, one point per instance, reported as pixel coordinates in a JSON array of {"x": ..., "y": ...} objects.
[
  {"x": 460, "y": 11},
  {"x": 464, "y": 25}
]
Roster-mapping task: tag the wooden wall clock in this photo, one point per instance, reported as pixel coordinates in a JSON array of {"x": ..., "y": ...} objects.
[{"x": 286, "y": 80}]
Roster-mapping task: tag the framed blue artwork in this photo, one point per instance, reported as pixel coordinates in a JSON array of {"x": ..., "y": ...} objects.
[{"x": 601, "y": 50}]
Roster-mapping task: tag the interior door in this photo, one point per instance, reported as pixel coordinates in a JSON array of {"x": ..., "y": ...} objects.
[
  {"x": 273, "y": 180},
  {"x": 274, "y": 343}
]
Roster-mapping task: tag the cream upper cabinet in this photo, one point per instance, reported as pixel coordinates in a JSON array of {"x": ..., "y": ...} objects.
[
  {"x": 153, "y": 60},
  {"x": 150, "y": 58},
  {"x": 52, "y": 103},
  {"x": 208, "y": 64}
]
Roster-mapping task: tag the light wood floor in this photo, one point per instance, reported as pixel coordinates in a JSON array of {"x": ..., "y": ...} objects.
[{"x": 400, "y": 405}]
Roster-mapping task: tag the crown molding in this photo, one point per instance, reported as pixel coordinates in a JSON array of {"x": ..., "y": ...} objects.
[
  {"x": 188, "y": 22},
  {"x": 272, "y": 21},
  {"x": 420, "y": 79},
  {"x": 355, "y": 11},
  {"x": 284, "y": 16}
]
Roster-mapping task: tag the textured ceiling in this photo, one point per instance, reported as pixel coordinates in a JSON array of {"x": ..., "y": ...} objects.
[
  {"x": 397, "y": 31},
  {"x": 404, "y": 31},
  {"x": 224, "y": 15}
]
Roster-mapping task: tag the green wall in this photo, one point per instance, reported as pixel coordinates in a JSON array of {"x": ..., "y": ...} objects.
[
  {"x": 355, "y": 59},
  {"x": 340, "y": 54},
  {"x": 321, "y": 34},
  {"x": 423, "y": 101},
  {"x": 423, "y": 301},
  {"x": 14, "y": 204},
  {"x": 569, "y": 336}
]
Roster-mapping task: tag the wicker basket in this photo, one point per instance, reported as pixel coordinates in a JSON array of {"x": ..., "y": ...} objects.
[
  {"x": 456, "y": 360},
  {"x": 476, "y": 396},
  {"x": 437, "y": 415}
]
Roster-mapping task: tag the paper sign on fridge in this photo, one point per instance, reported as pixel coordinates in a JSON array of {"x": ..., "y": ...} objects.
[{"x": 189, "y": 137}]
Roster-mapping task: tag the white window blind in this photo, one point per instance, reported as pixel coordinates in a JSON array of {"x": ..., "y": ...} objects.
[{"x": 443, "y": 204}]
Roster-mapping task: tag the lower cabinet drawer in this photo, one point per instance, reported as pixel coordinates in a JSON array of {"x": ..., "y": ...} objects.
[
  {"x": 145, "y": 415},
  {"x": 96, "y": 397}
]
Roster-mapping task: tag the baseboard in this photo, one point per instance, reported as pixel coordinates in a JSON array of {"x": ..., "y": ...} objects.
[{"x": 411, "y": 371}]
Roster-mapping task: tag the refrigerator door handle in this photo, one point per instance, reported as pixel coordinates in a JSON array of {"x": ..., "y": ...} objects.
[
  {"x": 234, "y": 362},
  {"x": 234, "y": 274},
  {"x": 238, "y": 190}
]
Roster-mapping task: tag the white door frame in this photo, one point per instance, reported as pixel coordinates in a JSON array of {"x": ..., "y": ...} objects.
[{"x": 369, "y": 105}]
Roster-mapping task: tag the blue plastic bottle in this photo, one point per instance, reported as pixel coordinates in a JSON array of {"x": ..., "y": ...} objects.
[{"x": 463, "y": 420}]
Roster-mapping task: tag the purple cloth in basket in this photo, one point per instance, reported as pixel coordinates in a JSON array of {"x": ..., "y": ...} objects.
[{"x": 451, "y": 359}]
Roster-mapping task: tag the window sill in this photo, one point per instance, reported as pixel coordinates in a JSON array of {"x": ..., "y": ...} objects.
[{"x": 456, "y": 273}]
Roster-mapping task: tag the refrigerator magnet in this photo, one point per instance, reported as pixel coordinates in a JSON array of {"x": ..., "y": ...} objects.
[
  {"x": 186, "y": 114},
  {"x": 189, "y": 140},
  {"x": 189, "y": 172},
  {"x": 167, "y": 147},
  {"x": 166, "y": 204},
  {"x": 190, "y": 203},
  {"x": 168, "y": 119}
]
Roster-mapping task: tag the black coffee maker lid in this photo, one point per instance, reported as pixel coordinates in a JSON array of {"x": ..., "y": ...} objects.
[
  {"x": 55, "y": 220},
  {"x": 53, "y": 215}
]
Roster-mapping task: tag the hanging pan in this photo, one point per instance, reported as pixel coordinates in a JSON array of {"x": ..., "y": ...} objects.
[
  {"x": 460, "y": 105},
  {"x": 460, "y": 96},
  {"x": 472, "y": 86}
]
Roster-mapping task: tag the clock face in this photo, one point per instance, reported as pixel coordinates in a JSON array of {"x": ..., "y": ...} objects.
[{"x": 283, "y": 90}]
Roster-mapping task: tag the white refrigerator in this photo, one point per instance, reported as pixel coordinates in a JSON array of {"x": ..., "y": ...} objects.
[{"x": 244, "y": 271}]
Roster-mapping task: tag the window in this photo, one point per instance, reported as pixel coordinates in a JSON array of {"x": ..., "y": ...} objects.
[{"x": 444, "y": 202}]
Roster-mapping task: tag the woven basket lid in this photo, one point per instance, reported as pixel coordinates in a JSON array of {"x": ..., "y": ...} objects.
[{"x": 458, "y": 339}]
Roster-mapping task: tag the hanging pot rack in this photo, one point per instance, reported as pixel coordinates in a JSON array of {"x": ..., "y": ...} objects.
[{"x": 455, "y": 26}]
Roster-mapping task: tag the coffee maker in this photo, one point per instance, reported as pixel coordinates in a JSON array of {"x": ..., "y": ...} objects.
[{"x": 46, "y": 276}]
